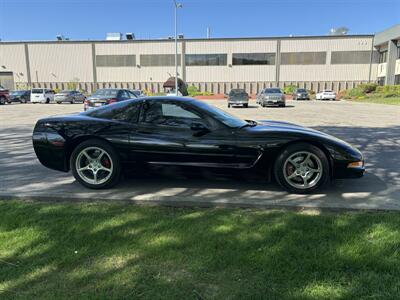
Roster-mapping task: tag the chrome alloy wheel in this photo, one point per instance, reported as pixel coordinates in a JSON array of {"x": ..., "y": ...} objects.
[
  {"x": 303, "y": 170},
  {"x": 94, "y": 165}
]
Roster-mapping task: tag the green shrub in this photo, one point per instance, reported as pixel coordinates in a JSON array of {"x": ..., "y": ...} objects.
[
  {"x": 194, "y": 91},
  {"x": 368, "y": 87},
  {"x": 354, "y": 93},
  {"x": 289, "y": 89},
  {"x": 388, "y": 91}
]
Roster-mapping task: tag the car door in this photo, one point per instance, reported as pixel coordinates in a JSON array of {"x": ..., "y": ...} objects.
[{"x": 168, "y": 133}]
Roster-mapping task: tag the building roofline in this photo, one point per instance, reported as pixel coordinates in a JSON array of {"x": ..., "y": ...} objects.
[{"x": 195, "y": 39}]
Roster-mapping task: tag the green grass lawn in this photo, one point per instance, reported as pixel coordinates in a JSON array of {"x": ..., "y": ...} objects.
[
  {"x": 119, "y": 251},
  {"x": 379, "y": 100}
]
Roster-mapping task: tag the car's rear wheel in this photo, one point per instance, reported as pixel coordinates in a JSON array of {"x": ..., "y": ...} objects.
[
  {"x": 302, "y": 168},
  {"x": 2, "y": 100},
  {"x": 95, "y": 164},
  {"x": 47, "y": 101},
  {"x": 245, "y": 105}
]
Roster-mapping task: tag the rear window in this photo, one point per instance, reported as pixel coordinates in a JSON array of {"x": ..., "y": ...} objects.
[
  {"x": 106, "y": 93},
  {"x": 37, "y": 91},
  {"x": 237, "y": 92},
  {"x": 127, "y": 111},
  {"x": 273, "y": 91},
  {"x": 301, "y": 91},
  {"x": 17, "y": 93}
]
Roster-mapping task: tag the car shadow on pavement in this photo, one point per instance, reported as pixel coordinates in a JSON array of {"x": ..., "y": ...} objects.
[{"x": 21, "y": 174}]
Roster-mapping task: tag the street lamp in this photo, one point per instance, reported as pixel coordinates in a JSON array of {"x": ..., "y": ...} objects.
[{"x": 177, "y": 5}]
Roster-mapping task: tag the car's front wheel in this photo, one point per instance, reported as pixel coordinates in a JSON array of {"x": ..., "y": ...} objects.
[
  {"x": 95, "y": 164},
  {"x": 302, "y": 168}
]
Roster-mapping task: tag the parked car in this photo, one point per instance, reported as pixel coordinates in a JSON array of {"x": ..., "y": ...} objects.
[
  {"x": 42, "y": 95},
  {"x": 326, "y": 95},
  {"x": 181, "y": 131},
  {"x": 301, "y": 94},
  {"x": 271, "y": 96},
  {"x": 4, "y": 94},
  {"x": 69, "y": 96},
  {"x": 103, "y": 97},
  {"x": 238, "y": 97},
  {"x": 139, "y": 93},
  {"x": 22, "y": 96}
]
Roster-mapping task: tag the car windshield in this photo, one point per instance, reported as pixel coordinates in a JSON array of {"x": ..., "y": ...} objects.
[
  {"x": 65, "y": 92},
  {"x": 237, "y": 92},
  {"x": 327, "y": 91},
  {"x": 37, "y": 91},
  {"x": 108, "y": 93},
  {"x": 273, "y": 91},
  {"x": 301, "y": 91},
  {"x": 222, "y": 116},
  {"x": 17, "y": 93}
]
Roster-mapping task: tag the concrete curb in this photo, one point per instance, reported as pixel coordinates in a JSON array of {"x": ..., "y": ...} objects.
[{"x": 181, "y": 203}]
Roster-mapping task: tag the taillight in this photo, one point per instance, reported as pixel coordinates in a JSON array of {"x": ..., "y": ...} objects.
[{"x": 113, "y": 100}]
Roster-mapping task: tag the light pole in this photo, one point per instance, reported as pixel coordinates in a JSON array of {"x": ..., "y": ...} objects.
[{"x": 177, "y": 5}]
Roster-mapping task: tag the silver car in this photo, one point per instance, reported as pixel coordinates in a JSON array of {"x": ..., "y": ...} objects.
[
  {"x": 238, "y": 97},
  {"x": 69, "y": 96},
  {"x": 271, "y": 97}
]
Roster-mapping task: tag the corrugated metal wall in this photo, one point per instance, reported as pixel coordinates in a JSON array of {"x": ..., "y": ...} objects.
[{"x": 56, "y": 64}]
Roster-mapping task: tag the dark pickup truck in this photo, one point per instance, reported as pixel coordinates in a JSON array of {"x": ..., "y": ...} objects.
[{"x": 4, "y": 94}]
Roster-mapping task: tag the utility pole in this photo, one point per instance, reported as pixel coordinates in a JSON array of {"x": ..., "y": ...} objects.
[{"x": 177, "y": 5}]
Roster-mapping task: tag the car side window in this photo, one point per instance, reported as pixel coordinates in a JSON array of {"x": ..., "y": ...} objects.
[
  {"x": 169, "y": 114},
  {"x": 119, "y": 112}
]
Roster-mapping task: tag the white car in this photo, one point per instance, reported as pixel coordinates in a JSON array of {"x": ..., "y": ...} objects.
[
  {"x": 42, "y": 96},
  {"x": 326, "y": 95}
]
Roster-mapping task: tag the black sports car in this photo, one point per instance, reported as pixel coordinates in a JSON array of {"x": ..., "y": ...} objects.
[{"x": 97, "y": 144}]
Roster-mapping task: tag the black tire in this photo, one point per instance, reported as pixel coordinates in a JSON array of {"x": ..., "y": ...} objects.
[
  {"x": 58, "y": 102},
  {"x": 2, "y": 100},
  {"x": 291, "y": 150},
  {"x": 282, "y": 105},
  {"x": 110, "y": 151},
  {"x": 245, "y": 105},
  {"x": 229, "y": 105},
  {"x": 47, "y": 101}
]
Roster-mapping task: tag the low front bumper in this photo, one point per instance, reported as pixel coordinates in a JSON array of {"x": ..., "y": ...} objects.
[{"x": 341, "y": 170}]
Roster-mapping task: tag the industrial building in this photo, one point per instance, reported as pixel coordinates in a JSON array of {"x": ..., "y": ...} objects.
[{"x": 215, "y": 65}]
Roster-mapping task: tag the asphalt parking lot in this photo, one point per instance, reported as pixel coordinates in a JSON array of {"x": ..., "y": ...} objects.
[{"x": 373, "y": 128}]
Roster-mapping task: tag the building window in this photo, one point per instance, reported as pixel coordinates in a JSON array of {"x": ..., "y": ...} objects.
[
  {"x": 383, "y": 57},
  {"x": 158, "y": 60},
  {"x": 115, "y": 60},
  {"x": 303, "y": 58},
  {"x": 206, "y": 59},
  {"x": 398, "y": 51},
  {"x": 381, "y": 81},
  {"x": 253, "y": 58},
  {"x": 397, "y": 79},
  {"x": 350, "y": 57}
]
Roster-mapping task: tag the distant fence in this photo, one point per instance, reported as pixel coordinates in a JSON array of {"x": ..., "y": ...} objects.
[{"x": 213, "y": 87}]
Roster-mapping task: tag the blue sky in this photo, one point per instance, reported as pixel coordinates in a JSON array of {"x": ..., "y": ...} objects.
[{"x": 92, "y": 19}]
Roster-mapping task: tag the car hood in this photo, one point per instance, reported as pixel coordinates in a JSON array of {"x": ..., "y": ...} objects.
[
  {"x": 291, "y": 132},
  {"x": 279, "y": 126}
]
